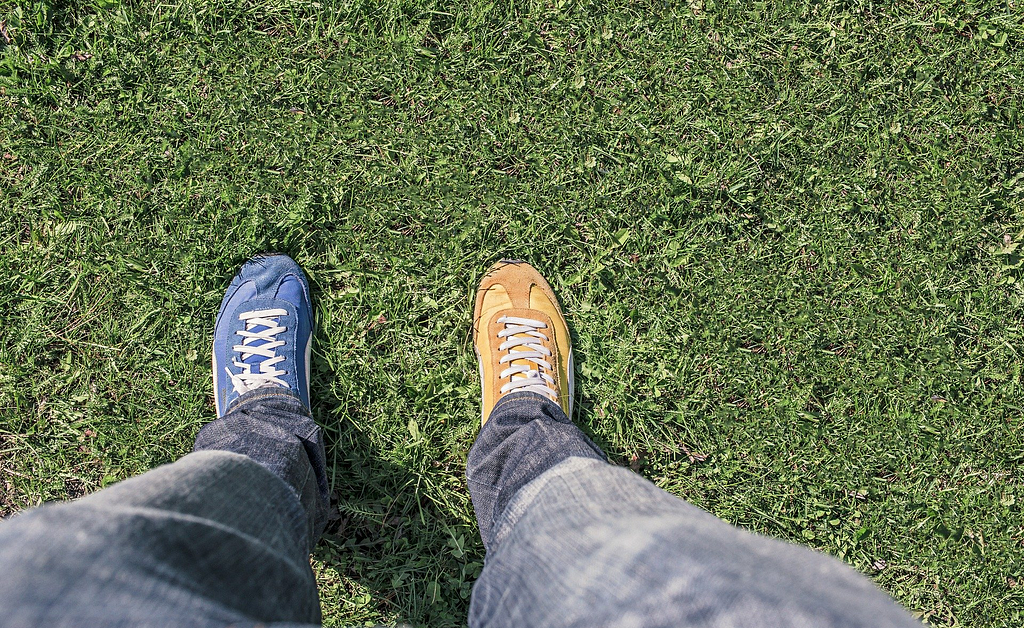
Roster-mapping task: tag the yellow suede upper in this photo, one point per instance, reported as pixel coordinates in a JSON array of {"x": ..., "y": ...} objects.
[{"x": 513, "y": 288}]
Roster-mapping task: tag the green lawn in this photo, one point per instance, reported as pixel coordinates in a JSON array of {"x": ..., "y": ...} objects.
[{"x": 785, "y": 234}]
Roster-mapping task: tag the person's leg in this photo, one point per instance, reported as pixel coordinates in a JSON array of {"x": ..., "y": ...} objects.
[
  {"x": 574, "y": 541},
  {"x": 220, "y": 537},
  {"x": 522, "y": 439},
  {"x": 274, "y": 429},
  {"x": 223, "y": 535}
]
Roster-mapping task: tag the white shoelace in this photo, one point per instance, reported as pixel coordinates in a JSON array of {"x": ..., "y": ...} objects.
[
  {"x": 267, "y": 375},
  {"x": 525, "y": 332}
]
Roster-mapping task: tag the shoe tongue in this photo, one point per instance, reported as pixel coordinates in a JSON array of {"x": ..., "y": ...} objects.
[
  {"x": 530, "y": 364},
  {"x": 290, "y": 290},
  {"x": 255, "y": 360}
]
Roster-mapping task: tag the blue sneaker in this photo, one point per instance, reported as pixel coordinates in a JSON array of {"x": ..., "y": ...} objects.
[{"x": 264, "y": 331}]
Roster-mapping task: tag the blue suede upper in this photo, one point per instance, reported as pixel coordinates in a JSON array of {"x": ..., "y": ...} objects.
[{"x": 264, "y": 282}]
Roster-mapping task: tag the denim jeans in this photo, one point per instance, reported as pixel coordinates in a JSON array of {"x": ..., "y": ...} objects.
[
  {"x": 574, "y": 541},
  {"x": 222, "y": 537}
]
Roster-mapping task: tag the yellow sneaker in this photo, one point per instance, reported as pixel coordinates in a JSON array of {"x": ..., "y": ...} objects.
[{"x": 520, "y": 337}]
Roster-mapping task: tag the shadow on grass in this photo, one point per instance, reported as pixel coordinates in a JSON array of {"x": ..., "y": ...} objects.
[
  {"x": 390, "y": 554},
  {"x": 396, "y": 550}
]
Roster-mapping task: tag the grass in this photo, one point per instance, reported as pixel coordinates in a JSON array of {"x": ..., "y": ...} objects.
[{"x": 786, "y": 234}]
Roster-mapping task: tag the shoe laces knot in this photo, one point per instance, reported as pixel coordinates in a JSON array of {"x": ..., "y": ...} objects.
[
  {"x": 528, "y": 367},
  {"x": 259, "y": 339}
]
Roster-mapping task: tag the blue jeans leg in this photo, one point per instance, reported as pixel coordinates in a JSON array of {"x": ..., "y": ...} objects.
[
  {"x": 574, "y": 541},
  {"x": 525, "y": 435},
  {"x": 273, "y": 428},
  {"x": 220, "y": 537}
]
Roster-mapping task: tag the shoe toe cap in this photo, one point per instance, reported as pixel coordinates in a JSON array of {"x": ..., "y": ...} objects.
[
  {"x": 270, "y": 277},
  {"x": 274, "y": 277}
]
